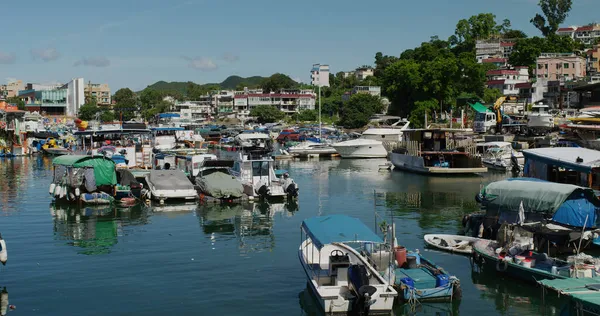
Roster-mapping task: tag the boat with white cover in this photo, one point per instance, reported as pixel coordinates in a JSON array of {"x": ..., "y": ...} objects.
[
  {"x": 501, "y": 156},
  {"x": 308, "y": 148},
  {"x": 371, "y": 142},
  {"x": 347, "y": 266},
  {"x": 169, "y": 185},
  {"x": 539, "y": 120}
]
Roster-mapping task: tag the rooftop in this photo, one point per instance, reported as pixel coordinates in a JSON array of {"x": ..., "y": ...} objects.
[{"x": 567, "y": 156}]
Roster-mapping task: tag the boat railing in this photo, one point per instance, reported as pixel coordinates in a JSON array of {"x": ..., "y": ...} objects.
[{"x": 412, "y": 148}]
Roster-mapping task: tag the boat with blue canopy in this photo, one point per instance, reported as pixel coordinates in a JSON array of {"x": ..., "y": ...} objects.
[{"x": 347, "y": 265}]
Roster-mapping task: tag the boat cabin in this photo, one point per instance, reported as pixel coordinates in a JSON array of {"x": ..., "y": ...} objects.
[
  {"x": 568, "y": 165},
  {"x": 254, "y": 169}
]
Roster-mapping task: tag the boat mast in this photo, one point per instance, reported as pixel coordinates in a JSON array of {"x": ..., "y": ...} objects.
[{"x": 320, "y": 112}]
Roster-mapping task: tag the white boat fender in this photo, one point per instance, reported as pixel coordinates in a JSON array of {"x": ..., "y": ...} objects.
[
  {"x": 63, "y": 192},
  {"x": 57, "y": 191},
  {"x": 3, "y": 251},
  {"x": 77, "y": 192},
  {"x": 52, "y": 187}
]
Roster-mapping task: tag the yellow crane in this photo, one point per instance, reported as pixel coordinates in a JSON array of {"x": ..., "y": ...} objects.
[{"x": 498, "y": 111}]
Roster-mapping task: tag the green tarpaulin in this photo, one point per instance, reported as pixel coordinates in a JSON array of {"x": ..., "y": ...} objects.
[
  {"x": 479, "y": 107},
  {"x": 104, "y": 168}
]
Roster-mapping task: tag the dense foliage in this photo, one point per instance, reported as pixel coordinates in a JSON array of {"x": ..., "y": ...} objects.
[
  {"x": 126, "y": 104},
  {"x": 357, "y": 111},
  {"x": 266, "y": 114}
]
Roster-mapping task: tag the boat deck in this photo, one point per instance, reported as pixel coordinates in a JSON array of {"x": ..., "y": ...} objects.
[
  {"x": 422, "y": 277},
  {"x": 584, "y": 290}
]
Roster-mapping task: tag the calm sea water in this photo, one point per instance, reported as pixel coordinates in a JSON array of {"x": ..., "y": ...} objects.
[{"x": 225, "y": 260}]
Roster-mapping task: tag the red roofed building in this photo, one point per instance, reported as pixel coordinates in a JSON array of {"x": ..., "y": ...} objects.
[
  {"x": 288, "y": 101},
  {"x": 585, "y": 34},
  {"x": 506, "y": 80},
  {"x": 499, "y": 62}
]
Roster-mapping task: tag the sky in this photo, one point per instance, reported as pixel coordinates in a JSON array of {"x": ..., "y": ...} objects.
[{"x": 133, "y": 44}]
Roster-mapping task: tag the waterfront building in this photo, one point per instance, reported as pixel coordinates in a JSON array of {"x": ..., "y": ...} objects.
[
  {"x": 319, "y": 75},
  {"x": 64, "y": 99},
  {"x": 287, "y": 100},
  {"x": 506, "y": 80},
  {"x": 560, "y": 66},
  {"x": 100, "y": 91}
]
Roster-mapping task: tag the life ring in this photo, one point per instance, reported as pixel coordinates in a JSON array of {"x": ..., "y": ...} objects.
[{"x": 502, "y": 265}]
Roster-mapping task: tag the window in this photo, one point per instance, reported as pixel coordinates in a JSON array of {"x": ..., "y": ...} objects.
[
  {"x": 540, "y": 66},
  {"x": 566, "y": 65},
  {"x": 546, "y": 66}
]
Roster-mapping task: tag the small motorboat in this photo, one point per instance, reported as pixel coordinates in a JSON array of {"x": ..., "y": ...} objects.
[
  {"x": 451, "y": 243},
  {"x": 170, "y": 185}
]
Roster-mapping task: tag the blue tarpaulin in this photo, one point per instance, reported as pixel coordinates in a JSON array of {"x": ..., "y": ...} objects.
[
  {"x": 575, "y": 209},
  {"x": 167, "y": 115},
  {"x": 324, "y": 230}
]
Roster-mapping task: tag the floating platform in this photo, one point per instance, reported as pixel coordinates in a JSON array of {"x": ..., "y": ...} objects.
[{"x": 584, "y": 293}]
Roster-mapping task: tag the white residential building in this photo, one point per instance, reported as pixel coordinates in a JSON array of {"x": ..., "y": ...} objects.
[
  {"x": 584, "y": 34},
  {"x": 506, "y": 80},
  {"x": 288, "y": 101},
  {"x": 319, "y": 75},
  {"x": 75, "y": 96},
  {"x": 493, "y": 48}
]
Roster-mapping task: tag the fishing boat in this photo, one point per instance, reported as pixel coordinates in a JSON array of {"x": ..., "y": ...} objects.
[
  {"x": 560, "y": 217},
  {"x": 437, "y": 151},
  {"x": 255, "y": 169},
  {"x": 451, "y": 243},
  {"x": 338, "y": 254},
  {"x": 171, "y": 185},
  {"x": 86, "y": 179},
  {"x": 420, "y": 279},
  {"x": 521, "y": 263}
]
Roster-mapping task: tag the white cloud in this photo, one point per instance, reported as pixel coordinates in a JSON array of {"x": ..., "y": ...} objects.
[
  {"x": 229, "y": 57},
  {"x": 7, "y": 58},
  {"x": 45, "y": 54},
  {"x": 201, "y": 63},
  {"x": 93, "y": 62}
]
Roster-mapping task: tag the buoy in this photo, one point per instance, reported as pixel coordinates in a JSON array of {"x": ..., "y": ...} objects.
[{"x": 52, "y": 187}]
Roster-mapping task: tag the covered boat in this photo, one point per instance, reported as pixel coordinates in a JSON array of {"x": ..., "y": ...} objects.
[
  {"x": 255, "y": 170},
  {"x": 89, "y": 179},
  {"x": 214, "y": 179},
  {"x": 555, "y": 213},
  {"x": 347, "y": 265},
  {"x": 169, "y": 185}
]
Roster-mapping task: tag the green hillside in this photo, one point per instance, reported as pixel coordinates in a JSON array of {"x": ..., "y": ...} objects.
[{"x": 230, "y": 83}]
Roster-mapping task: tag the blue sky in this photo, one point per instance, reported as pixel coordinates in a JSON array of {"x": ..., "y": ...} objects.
[{"x": 136, "y": 43}]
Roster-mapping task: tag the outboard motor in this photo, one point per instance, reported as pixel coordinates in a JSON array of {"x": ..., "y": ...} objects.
[
  {"x": 292, "y": 190},
  {"x": 263, "y": 191},
  {"x": 516, "y": 168},
  {"x": 359, "y": 283}
]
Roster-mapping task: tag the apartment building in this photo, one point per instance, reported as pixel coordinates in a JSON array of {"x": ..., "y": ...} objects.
[
  {"x": 99, "y": 91},
  {"x": 493, "y": 48},
  {"x": 319, "y": 75},
  {"x": 586, "y": 34},
  {"x": 361, "y": 73},
  {"x": 287, "y": 100},
  {"x": 11, "y": 89},
  {"x": 506, "y": 80},
  {"x": 592, "y": 65},
  {"x": 561, "y": 67}
]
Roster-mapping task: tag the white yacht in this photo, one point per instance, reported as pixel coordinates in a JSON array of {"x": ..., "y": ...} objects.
[
  {"x": 371, "y": 143},
  {"x": 253, "y": 140},
  {"x": 348, "y": 266},
  {"x": 500, "y": 155},
  {"x": 308, "y": 148},
  {"x": 539, "y": 120}
]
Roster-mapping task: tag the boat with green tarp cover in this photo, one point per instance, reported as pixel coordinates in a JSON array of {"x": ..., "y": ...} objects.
[{"x": 82, "y": 178}]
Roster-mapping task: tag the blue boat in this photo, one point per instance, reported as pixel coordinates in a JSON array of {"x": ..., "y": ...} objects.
[{"x": 420, "y": 279}]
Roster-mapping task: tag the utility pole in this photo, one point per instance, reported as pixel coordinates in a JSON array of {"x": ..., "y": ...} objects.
[{"x": 320, "y": 124}]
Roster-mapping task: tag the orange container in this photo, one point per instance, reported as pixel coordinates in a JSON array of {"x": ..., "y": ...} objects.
[{"x": 400, "y": 253}]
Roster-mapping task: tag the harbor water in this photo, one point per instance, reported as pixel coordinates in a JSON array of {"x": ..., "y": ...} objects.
[{"x": 226, "y": 260}]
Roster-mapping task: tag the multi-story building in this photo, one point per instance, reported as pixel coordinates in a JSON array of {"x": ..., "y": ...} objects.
[
  {"x": 319, "y": 75},
  {"x": 224, "y": 102},
  {"x": 193, "y": 110},
  {"x": 11, "y": 89},
  {"x": 287, "y": 100},
  {"x": 592, "y": 65},
  {"x": 506, "y": 80},
  {"x": 65, "y": 99},
  {"x": 499, "y": 62},
  {"x": 493, "y": 48},
  {"x": 98, "y": 91},
  {"x": 586, "y": 34},
  {"x": 362, "y": 73},
  {"x": 43, "y": 86},
  {"x": 561, "y": 67}
]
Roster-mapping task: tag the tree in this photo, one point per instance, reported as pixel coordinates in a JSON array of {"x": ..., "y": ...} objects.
[
  {"x": 126, "y": 104},
  {"x": 491, "y": 95},
  {"x": 382, "y": 62},
  {"x": 359, "y": 109},
  {"x": 527, "y": 50},
  {"x": 514, "y": 34},
  {"x": 107, "y": 116},
  {"x": 417, "y": 116},
  {"x": 555, "y": 12},
  {"x": 276, "y": 82},
  {"x": 266, "y": 113},
  {"x": 307, "y": 115},
  {"x": 87, "y": 112},
  {"x": 16, "y": 101}
]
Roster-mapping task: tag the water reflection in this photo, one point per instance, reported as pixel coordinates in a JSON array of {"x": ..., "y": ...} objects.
[
  {"x": 251, "y": 224},
  {"x": 513, "y": 297},
  {"x": 173, "y": 210},
  {"x": 3, "y": 301},
  {"x": 94, "y": 229}
]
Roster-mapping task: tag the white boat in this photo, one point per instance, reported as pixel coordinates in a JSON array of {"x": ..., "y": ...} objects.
[
  {"x": 308, "y": 148},
  {"x": 501, "y": 156},
  {"x": 339, "y": 254},
  {"x": 371, "y": 143},
  {"x": 3, "y": 251},
  {"x": 451, "y": 243},
  {"x": 539, "y": 120},
  {"x": 255, "y": 169},
  {"x": 169, "y": 185},
  {"x": 253, "y": 140}
]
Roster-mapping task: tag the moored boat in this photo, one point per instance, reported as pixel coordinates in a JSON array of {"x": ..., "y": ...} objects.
[
  {"x": 451, "y": 243},
  {"x": 338, "y": 254},
  {"x": 169, "y": 185}
]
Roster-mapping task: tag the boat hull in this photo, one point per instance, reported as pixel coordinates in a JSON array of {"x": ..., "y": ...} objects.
[
  {"x": 361, "y": 151},
  {"x": 430, "y": 239},
  {"x": 417, "y": 164}
]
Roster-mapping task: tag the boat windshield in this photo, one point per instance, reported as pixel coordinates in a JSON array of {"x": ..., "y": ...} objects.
[{"x": 260, "y": 168}]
